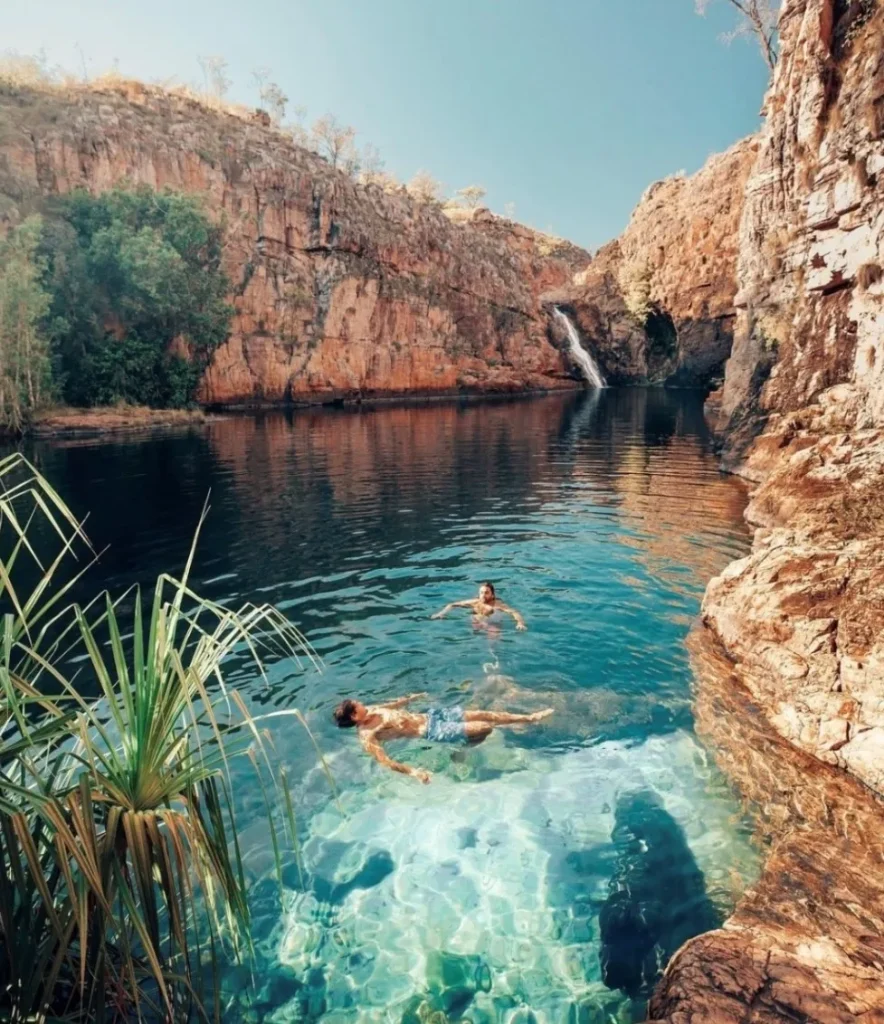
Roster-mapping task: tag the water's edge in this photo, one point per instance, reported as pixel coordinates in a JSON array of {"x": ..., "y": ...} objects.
[{"x": 605, "y": 506}]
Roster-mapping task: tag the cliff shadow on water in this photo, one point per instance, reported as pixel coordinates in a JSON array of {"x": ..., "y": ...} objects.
[{"x": 658, "y": 898}]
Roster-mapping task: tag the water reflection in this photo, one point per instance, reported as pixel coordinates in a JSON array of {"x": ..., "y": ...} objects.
[
  {"x": 311, "y": 490},
  {"x": 600, "y": 517}
]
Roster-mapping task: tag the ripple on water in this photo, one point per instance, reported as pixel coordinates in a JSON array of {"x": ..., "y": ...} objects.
[
  {"x": 497, "y": 870},
  {"x": 601, "y": 518}
]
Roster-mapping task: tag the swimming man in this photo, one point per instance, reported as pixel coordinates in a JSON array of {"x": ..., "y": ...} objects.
[
  {"x": 484, "y": 606},
  {"x": 377, "y": 723}
]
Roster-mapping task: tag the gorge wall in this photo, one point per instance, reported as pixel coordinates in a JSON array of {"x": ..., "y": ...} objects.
[
  {"x": 343, "y": 290},
  {"x": 771, "y": 260},
  {"x": 657, "y": 304},
  {"x": 790, "y": 658},
  {"x": 340, "y": 289},
  {"x": 810, "y": 250}
]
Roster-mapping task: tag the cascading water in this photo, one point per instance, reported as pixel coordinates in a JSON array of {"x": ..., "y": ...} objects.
[{"x": 579, "y": 354}]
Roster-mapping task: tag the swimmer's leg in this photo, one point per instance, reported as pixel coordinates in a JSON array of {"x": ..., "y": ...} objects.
[
  {"x": 477, "y": 732},
  {"x": 505, "y": 717}
]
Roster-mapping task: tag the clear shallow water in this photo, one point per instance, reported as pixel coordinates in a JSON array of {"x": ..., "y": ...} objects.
[{"x": 600, "y": 517}]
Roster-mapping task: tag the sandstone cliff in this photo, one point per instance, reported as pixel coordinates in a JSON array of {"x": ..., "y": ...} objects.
[
  {"x": 810, "y": 247},
  {"x": 657, "y": 305},
  {"x": 803, "y": 614},
  {"x": 789, "y": 662},
  {"x": 339, "y": 289}
]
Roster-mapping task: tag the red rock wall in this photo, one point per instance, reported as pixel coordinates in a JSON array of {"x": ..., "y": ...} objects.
[
  {"x": 678, "y": 256},
  {"x": 811, "y": 299},
  {"x": 339, "y": 289},
  {"x": 804, "y": 614},
  {"x": 790, "y": 659}
]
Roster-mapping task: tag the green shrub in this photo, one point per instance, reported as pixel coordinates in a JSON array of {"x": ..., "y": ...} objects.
[
  {"x": 128, "y": 272},
  {"x": 122, "y": 888},
  {"x": 635, "y": 286}
]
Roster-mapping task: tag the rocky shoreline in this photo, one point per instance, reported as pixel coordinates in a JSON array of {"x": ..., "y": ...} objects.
[
  {"x": 790, "y": 653},
  {"x": 806, "y": 942},
  {"x": 64, "y": 421},
  {"x": 68, "y": 422},
  {"x": 787, "y": 663}
]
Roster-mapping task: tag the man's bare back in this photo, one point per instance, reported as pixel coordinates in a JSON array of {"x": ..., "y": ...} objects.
[{"x": 378, "y": 723}]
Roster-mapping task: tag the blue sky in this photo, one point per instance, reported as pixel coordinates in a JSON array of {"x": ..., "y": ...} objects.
[{"x": 566, "y": 108}]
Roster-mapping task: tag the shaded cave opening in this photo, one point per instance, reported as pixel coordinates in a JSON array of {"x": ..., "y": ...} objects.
[{"x": 662, "y": 342}]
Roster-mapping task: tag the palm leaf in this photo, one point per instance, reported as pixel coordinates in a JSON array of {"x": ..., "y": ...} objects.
[{"x": 117, "y": 824}]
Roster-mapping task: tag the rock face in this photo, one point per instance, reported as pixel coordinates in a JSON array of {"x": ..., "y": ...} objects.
[
  {"x": 802, "y": 615},
  {"x": 811, "y": 247},
  {"x": 657, "y": 305},
  {"x": 339, "y": 289},
  {"x": 790, "y": 657},
  {"x": 806, "y": 943}
]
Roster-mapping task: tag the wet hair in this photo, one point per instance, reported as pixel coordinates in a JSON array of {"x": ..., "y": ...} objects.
[
  {"x": 344, "y": 712},
  {"x": 490, "y": 585}
]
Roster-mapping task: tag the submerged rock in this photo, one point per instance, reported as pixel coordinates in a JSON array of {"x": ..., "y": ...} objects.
[
  {"x": 658, "y": 896},
  {"x": 453, "y": 980},
  {"x": 491, "y": 907}
]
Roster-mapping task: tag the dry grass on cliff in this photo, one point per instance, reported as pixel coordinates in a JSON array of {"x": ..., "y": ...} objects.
[
  {"x": 549, "y": 245},
  {"x": 21, "y": 71}
]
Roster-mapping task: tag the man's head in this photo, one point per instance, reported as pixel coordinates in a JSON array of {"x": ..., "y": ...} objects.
[
  {"x": 486, "y": 592},
  {"x": 349, "y": 713}
]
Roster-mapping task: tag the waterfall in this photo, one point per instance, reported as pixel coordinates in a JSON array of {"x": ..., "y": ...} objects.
[{"x": 579, "y": 354}]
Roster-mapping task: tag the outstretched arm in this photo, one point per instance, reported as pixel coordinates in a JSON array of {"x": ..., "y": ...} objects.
[
  {"x": 520, "y": 622},
  {"x": 453, "y": 604},
  {"x": 400, "y": 702},
  {"x": 373, "y": 747}
]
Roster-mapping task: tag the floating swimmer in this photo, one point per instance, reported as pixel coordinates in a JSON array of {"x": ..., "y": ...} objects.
[
  {"x": 377, "y": 723},
  {"x": 484, "y": 606}
]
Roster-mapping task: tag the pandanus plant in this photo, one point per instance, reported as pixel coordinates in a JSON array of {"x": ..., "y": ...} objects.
[{"x": 122, "y": 887}]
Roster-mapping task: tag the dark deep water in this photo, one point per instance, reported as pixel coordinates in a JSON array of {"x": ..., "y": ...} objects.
[{"x": 543, "y": 864}]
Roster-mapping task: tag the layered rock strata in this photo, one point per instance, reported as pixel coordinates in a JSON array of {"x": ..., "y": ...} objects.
[
  {"x": 339, "y": 289},
  {"x": 657, "y": 304},
  {"x": 789, "y": 661},
  {"x": 811, "y": 240},
  {"x": 806, "y": 943}
]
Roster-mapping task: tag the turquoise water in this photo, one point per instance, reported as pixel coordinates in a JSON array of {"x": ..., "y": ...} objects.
[{"x": 545, "y": 862}]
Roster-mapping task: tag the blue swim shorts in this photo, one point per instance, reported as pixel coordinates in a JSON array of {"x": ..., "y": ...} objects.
[{"x": 446, "y": 725}]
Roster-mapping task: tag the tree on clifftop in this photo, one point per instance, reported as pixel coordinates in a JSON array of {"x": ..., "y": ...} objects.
[
  {"x": 273, "y": 99},
  {"x": 757, "y": 18},
  {"x": 425, "y": 188},
  {"x": 215, "y": 76},
  {"x": 471, "y": 196},
  {"x": 335, "y": 141}
]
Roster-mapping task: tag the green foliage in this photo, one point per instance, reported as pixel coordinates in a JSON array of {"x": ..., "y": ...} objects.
[
  {"x": 24, "y": 350},
  {"x": 121, "y": 883},
  {"x": 769, "y": 344},
  {"x": 635, "y": 286},
  {"x": 129, "y": 272}
]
